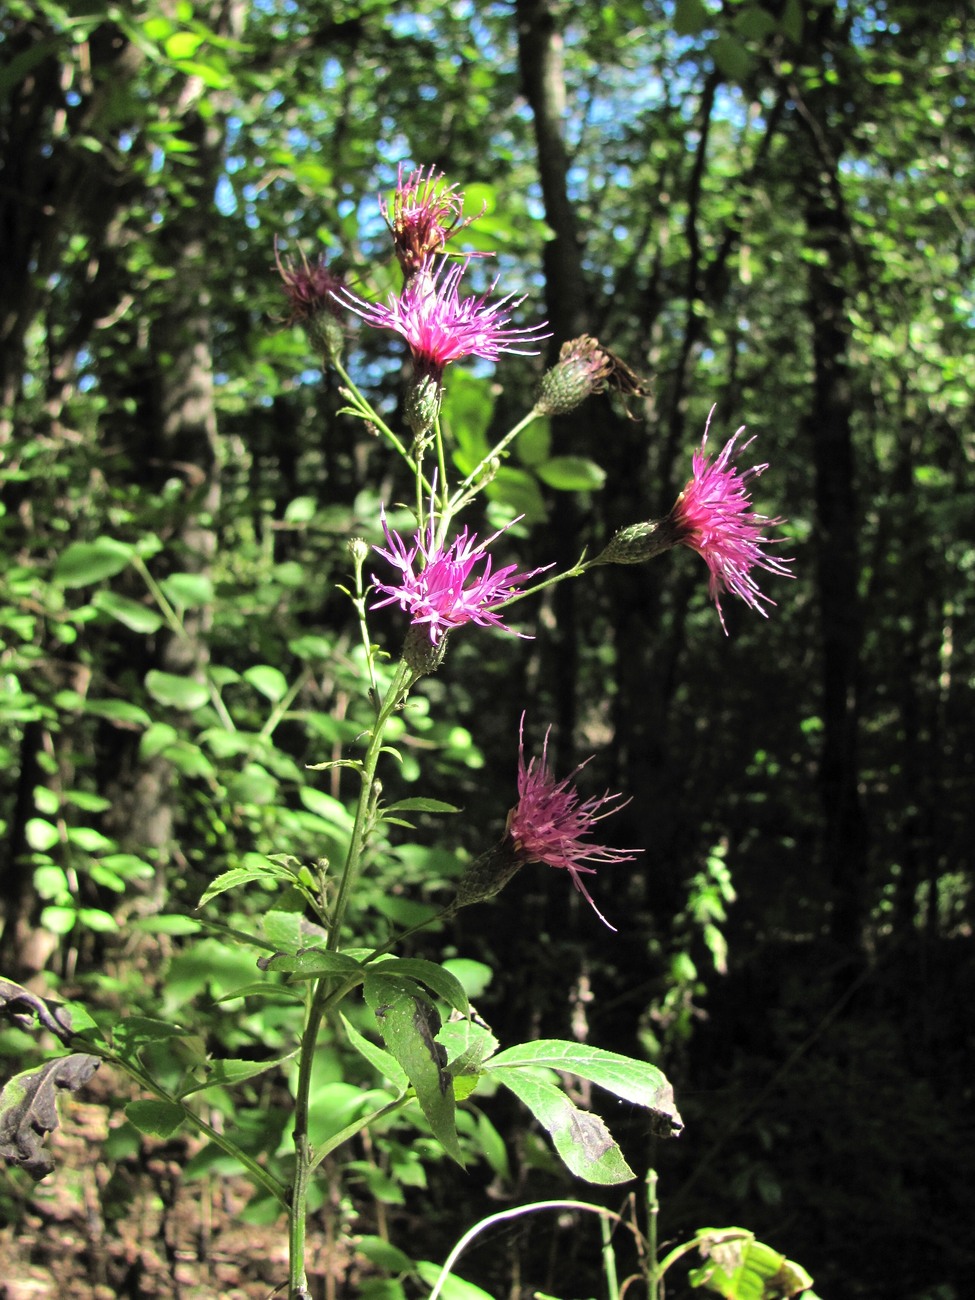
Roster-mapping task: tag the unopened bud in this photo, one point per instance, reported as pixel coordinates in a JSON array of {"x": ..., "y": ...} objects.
[
  {"x": 421, "y": 655},
  {"x": 638, "y": 542},
  {"x": 358, "y": 549},
  {"x": 423, "y": 405}
]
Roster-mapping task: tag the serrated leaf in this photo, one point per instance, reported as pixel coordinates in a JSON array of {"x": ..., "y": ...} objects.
[
  {"x": 435, "y": 978},
  {"x": 468, "y": 1046},
  {"x": 580, "y": 1137},
  {"x": 85, "y": 563},
  {"x": 408, "y": 1024},
  {"x": 384, "y": 1062},
  {"x": 230, "y": 1072},
  {"x": 158, "y": 1119},
  {"x": 176, "y": 692},
  {"x": 311, "y": 962},
  {"x": 571, "y": 474},
  {"x": 634, "y": 1081},
  {"x": 28, "y": 1110}
]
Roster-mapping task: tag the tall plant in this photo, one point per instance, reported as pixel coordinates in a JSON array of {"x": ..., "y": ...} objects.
[{"x": 408, "y": 1019}]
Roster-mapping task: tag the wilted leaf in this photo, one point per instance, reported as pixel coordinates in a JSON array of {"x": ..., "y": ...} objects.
[
  {"x": 28, "y": 1110},
  {"x": 22, "y": 1007}
]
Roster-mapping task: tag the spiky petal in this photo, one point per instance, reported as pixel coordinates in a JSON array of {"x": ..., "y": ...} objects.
[
  {"x": 439, "y": 586},
  {"x": 551, "y": 823},
  {"x": 713, "y": 515},
  {"x": 440, "y": 326}
]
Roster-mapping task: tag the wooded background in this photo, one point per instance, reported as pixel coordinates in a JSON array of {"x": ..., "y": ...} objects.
[{"x": 761, "y": 204}]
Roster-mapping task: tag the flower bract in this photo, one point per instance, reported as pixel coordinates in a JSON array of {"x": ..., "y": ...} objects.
[{"x": 424, "y": 214}]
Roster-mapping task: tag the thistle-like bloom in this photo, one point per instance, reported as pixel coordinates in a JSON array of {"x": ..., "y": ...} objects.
[
  {"x": 425, "y": 213},
  {"x": 310, "y": 290},
  {"x": 438, "y": 586},
  {"x": 440, "y": 326},
  {"x": 714, "y": 516},
  {"x": 585, "y": 367},
  {"x": 551, "y": 823}
]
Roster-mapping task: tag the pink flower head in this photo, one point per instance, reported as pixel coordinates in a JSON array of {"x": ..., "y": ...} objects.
[
  {"x": 425, "y": 214},
  {"x": 443, "y": 591},
  {"x": 550, "y": 823},
  {"x": 309, "y": 287},
  {"x": 440, "y": 326},
  {"x": 713, "y": 516}
]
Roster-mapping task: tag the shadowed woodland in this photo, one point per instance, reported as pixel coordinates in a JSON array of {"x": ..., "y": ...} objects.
[{"x": 765, "y": 206}]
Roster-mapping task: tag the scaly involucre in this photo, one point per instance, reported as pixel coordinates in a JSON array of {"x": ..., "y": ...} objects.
[
  {"x": 713, "y": 515},
  {"x": 551, "y": 822},
  {"x": 438, "y": 586}
]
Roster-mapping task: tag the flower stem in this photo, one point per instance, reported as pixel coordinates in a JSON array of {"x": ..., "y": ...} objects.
[{"x": 325, "y": 993}]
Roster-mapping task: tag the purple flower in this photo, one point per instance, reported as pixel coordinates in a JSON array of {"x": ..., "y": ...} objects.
[
  {"x": 551, "y": 822},
  {"x": 443, "y": 591},
  {"x": 440, "y": 326},
  {"x": 714, "y": 516},
  {"x": 424, "y": 214}
]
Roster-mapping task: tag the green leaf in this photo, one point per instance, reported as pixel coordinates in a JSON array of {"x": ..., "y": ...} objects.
[
  {"x": 438, "y": 980},
  {"x": 119, "y": 711},
  {"x": 690, "y": 17},
  {"x": 468, "y": 1046},
  {"x": 731, "y": 57},
  {"x": 176, "y": 692},
  {"x": 384, "y": 1255},
  {"x": 384, "y": 1062},
  {"x": 155, "y": 739},
  {"x": 188, "y": 590},
  {"x": 421, "y": 805},
  {"x": 85, "y": 563},
  {"x": 580, "y": 1137},
  {"x": 454, "y": 1288},
  {"x": 740, "y": 1268},
  {"x": 230, "y": 1072},
  {"x": 571, "y": 474},
  {"x": 408, "y": 1025},
  {"x": 135, "y": 616},
  {"x": 183, "y": 45},
  {"x": 41, "y": 835},
  {"x": 158, "y": 1119},
  {"x": 271, "y": 682},
  {"x": 633, "y": 1081},
  {"x": 312, "y": 962}
]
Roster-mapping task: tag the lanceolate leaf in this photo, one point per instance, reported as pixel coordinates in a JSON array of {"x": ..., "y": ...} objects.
[
  {"x": 28, "y": 1110},
  {"x": 634, "y": 1081},
  {"x": 408, "y": 1023},
  {"x": 384, "y": 1062},
  {"x": 580, "y": 1137}
]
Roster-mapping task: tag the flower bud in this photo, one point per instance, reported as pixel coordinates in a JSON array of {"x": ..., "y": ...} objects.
[
  {"x": 309, "y": 290},
  {"x": 423, "y": 405},
  {"x": 358, "y": 548},
  {"x": 638, "y": 542}
]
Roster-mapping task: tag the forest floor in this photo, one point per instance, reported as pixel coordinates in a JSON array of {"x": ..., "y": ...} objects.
[{"x": 140, "y": 1230}]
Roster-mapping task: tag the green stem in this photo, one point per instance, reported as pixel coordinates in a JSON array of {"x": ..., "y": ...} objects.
[
  {"x": 175, "y": 625},
  {"x": 653, "y": 1208},
  {"x": 463, "y": 493},
  {"x": 259, "y": 1174},
  {"x": 609, "y": 1259},
  {"x": 365, "y": 411},
  {"x": 325, "y": 994}
]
